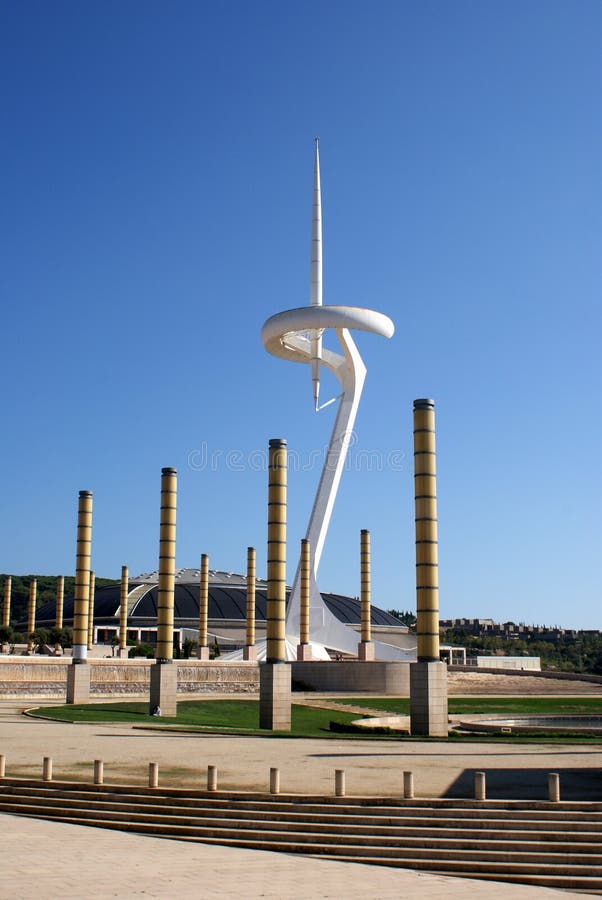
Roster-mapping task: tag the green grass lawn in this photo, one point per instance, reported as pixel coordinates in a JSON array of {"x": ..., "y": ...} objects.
[
  {"x": 238, "y": 716},
  {"x": 242, "y": 716},
  {"x": 575, "y": 706}
]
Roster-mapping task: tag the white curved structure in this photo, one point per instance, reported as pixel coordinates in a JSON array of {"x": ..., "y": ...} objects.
[{"x": 296, "y": 335}]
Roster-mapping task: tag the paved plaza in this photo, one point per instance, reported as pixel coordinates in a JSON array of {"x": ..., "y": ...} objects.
[{"x": 77, "y": 861}]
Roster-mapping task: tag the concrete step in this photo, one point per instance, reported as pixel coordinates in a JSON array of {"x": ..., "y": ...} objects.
[
  {"x": 560, "y": 882},
  {"x": 427, "y": 832},
  {"x": 513, "y": 811},
  {"x": 555, "y": 831},
  {"x": 453, "y": 852}
]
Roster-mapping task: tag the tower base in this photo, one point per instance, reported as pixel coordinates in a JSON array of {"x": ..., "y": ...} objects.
[
  {"x": 202, "y": 653},
  {"x": 428, "y": 699},
  {"x": 123, "y": 653},
  {"x": 249, "y": 653},
  {"x": 365, "y": 651},
  {"x": 275, "y": 696},
  {"x": 163, "y": 689},
  {"x": 78, "y": 683},
  {"x": 304, "y": 653}
]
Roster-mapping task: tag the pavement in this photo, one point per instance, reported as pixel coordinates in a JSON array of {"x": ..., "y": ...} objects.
[{"x": 83, "y": 862}]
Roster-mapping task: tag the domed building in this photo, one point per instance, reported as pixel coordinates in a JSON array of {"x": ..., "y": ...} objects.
[{"x": 227, "y": 611}]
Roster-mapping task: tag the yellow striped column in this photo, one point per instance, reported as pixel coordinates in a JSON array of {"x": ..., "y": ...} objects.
[
  {"x": 275, "y": 674},
  {"x": 276, "y": 594},
  {"x": 250, "y": 651},
  {"x": 203, "y": 649},
  {"x": 82, "y": 576},
  {"x": 365, "y": 650},
  {"x": 91, "y": 610},
  {"x": 8, "y": 583},
  {"x": 6, "y": 609},
  {"x": 167, "y": 564},
  {"x": 425, "y": 495},
  {"x": 123, "y": 613},
  {"x": 164, "y": 680},
  {"x": 428, "y": 676},
  {"x": 304, "y": 646},
  {"x": 60, "y": 599},
  {"x": 31, "y": 613}
]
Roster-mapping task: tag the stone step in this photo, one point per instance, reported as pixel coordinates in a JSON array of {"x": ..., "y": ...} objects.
[
  {"x": 560, "y": 882},
  {"x": 447, "y": 864},
  {"x": 296, "y": 841},
  {"x": 397, "y": 827},
  {"x": 376, "y": 807}
]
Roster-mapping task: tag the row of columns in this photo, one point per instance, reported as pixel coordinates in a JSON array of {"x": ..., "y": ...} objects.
[{"x": 428, "y": 689}]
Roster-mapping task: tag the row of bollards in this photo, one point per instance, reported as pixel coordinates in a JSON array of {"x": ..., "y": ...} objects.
[{"x": 479, "y": 786}]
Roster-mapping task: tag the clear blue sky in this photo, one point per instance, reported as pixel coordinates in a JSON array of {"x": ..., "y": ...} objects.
[{"x": 156, "y": 164}]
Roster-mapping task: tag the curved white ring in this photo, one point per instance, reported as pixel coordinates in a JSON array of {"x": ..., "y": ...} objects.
[{"x": 311, "y": 318}]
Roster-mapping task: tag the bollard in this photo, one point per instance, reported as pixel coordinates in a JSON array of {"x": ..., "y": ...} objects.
[
  {"x": 99, "y": 768},
  {"x": 211, "y": 778},
  {"x": 554, "y": 787},
  {"x": 153, "y": 775},
  {"x": 2, "y": 765},
  {"x": 47, "y": 769},
  {"x": 339, "y": 782},
  {"x": 408, "y": 785},
  {"x": 274, "y": 781},
  {"x": 480, "y": 787}
]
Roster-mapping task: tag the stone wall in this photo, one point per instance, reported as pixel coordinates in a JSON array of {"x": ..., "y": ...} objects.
[
  {"x": 375, "y": 677},
  {"x": 109, "y": 678}
]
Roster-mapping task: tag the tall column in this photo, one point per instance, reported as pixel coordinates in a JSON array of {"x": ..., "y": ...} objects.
[
  {"x": 31, "y": 613},
  {"x": 4, "y": 647},
  {"x": 250, "y": 650},
  {"x": 123, "y": 614},
  {"x": 163, "y": 683},
  {"x": 203, "y": 649},
  {"x": 8, "y": 582},
  {"x": 304, "y": 646},
  {"x": 91, "y": 610},
  {"x": 60, "y": 597},
  {"x": 82, "y": 576},
  {"x": 428, "y": 676},
  {"x": 78, "y": 675},
  {"x": 365, "y": 648},
  {"x": 275, "y": 674}
]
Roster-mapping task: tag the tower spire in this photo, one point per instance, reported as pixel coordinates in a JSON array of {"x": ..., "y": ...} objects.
[
  {"x": 316, "y": 236},
  {"x": 315, "y": 277}
]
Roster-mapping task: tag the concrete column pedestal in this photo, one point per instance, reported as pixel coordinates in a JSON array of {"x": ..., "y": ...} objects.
[
  {"x": 123, "y": 653},
  {"x": 249, "y": 653},
  {"x": 428, "y": 699},
  {"x": 365, "y": 651},
  {"x": 202, "y": 653},
  {"x": 275, "y": 696},
  {"x": 304, "y": 653},
  {"x": 78, "y": 683},
  {"x": 164, "y": 688}
]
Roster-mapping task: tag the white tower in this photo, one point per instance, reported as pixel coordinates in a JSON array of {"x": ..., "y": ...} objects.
[{"x": 296, "y": 335}]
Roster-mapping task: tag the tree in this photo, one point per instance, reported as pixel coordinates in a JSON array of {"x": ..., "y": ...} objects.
[
  {"x": 61, "y": 636},
  {"x": 406, "y": 617},
  {"x": 6, "y": 634}
]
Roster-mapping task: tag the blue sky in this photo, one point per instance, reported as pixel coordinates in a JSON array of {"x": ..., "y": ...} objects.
[{"x": 156, "y": 164}]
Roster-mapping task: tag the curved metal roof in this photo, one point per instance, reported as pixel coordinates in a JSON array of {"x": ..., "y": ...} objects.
[{"x": 225, "y": 602}]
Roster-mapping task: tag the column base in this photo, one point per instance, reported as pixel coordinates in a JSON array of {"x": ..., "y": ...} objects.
[
  {"x": 304, "y": 653},
  {"x": 4, "y": 648},
  {"x": 428, "y": 699},
  {"x": 202, "y": 653},
  {"x": 163, "y": 689},
  {"x": 275, "y": 696},
  {"x": 123, "y": 653},
  {"x": 78, "y": 683},
  {"x": 365, "y": 651},
  {"x": 249, "y": 653}
]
